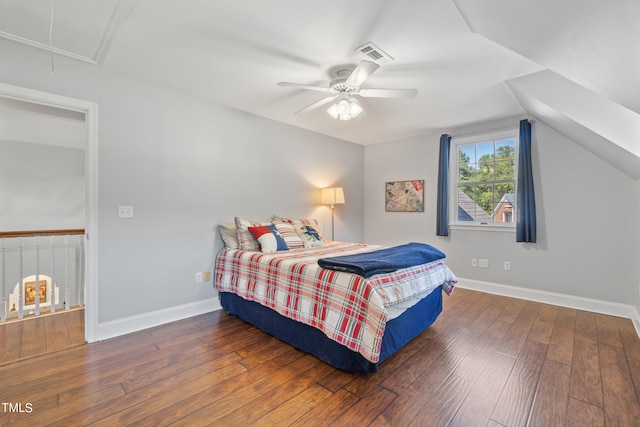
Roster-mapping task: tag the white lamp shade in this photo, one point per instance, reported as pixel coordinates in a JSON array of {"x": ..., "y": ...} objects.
[{"x": 332, "y": 196}]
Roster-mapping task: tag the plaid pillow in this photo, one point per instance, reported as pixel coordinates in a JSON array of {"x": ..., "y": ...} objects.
[
  {"x": 298, "y": 221},
  {"x": 289, "y": 234},
  {"x": 246, "y": 241}
]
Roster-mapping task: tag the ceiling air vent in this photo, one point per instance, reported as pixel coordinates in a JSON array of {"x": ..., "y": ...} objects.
[{"x": 374, "y": 53}]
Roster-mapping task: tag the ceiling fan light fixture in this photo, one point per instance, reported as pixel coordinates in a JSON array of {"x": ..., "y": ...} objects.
[{"x": 345, "y": 109}]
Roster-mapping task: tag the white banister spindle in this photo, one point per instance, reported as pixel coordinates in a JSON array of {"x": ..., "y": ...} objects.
[
  {"x": 51, "y": 294},
  {"x": 67, "y": 304},
  {"x": 37, "y": 284},
  {"x": 21, "y": 286},
  {"x": 3, "y": 283},
  {"x": 81, "y": 274}
]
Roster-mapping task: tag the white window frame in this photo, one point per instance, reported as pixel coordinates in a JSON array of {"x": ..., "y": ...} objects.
[{"x": 456, "y": 142}]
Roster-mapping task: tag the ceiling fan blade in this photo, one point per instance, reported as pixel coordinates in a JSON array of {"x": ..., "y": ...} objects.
[
  {"x": 317, "y": 104},
  {"x": 388, "y": 93},
  {"x": 305, "y": 87},
  {"x": 362, "y": 73}
]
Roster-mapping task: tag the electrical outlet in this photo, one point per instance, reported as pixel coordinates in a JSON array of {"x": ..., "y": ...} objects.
[
  {"x": 507, "y": 266},
  {"x": 198, "y": 277},
  {"x": 483, "y": 263},
  {"x": 474, "y": 262},
  {"x": 207, "y": 276},
  {"x": 125, "y": 211}
]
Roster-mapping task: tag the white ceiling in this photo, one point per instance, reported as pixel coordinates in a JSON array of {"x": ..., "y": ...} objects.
[{"x": 459, "y": 54}]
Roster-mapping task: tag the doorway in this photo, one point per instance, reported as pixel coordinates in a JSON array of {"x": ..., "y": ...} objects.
[{"x": 72, "y": 107}]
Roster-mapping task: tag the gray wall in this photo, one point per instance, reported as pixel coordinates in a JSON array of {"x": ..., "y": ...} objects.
[
  {"x": 186, "y": 165},
  {"x": 587, "y": 219},
  {"x": 41, "y": 187}
]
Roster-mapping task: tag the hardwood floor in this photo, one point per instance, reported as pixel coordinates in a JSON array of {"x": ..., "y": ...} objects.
[
  {"x": 33, "y": 336},
  {"x": 487, "y": 361}
]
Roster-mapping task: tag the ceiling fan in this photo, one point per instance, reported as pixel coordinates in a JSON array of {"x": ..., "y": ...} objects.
[{"x": 345, "y": 87}]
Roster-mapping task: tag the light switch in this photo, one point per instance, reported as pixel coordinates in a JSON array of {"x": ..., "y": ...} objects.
[{"x": 125, "y": 212}]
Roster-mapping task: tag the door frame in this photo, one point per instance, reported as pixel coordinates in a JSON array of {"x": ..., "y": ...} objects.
[{"x": 90, "y": 110}]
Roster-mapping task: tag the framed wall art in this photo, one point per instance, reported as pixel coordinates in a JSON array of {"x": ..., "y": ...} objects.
[{"x": 404, "y": 196}]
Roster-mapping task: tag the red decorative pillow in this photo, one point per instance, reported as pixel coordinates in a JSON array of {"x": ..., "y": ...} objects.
[{"x": 269, "y": 238}]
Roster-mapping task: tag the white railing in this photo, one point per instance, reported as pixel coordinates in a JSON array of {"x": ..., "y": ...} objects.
[{"x": 40, "y": 271}]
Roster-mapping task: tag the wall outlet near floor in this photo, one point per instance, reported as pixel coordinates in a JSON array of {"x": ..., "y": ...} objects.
[
  {"x": 199, "y": 277},
  {"x": 207, "y": 276},
  {"x": 474, "y": 262},
  {"x": 483, "y": 263},
  {"x": 507, "y": 266}
]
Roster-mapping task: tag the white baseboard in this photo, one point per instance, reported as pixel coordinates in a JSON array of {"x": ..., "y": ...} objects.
[
  {"x": 139, "y": 322},
  {"x": 579, "y": 303}
]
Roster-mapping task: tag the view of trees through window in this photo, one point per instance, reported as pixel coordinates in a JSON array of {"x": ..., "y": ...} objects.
[{"x": 486, "y": 182}]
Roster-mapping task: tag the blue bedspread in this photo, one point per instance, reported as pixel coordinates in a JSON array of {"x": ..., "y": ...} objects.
[{"x": 384, "y": 260}]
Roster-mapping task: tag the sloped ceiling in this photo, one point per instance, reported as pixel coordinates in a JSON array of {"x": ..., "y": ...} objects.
[{"x": 470, "y": 61}]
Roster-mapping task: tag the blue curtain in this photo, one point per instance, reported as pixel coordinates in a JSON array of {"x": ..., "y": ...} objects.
[
  {"x": 442, "y": 215},
  {"x": 525, "y": 198}
]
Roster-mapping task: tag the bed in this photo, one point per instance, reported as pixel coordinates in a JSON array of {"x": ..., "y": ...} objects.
[{"x": 352, "y": 322}]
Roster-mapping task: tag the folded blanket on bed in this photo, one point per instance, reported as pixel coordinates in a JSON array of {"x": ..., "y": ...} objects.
[{"x": 383, "y": 260}]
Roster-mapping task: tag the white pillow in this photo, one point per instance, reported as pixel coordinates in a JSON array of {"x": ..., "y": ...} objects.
[
  {"x": 229, "y": 235},
  {"x": 308, "y": 234}
]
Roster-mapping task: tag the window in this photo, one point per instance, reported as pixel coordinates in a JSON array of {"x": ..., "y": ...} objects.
[{"x": 483, "y": 181}]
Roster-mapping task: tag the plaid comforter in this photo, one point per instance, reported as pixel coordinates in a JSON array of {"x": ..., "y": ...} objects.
[{"x": 348, "y": 308}]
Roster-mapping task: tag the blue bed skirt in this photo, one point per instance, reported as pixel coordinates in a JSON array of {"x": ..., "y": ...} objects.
[{"x": 398, "y": 331}]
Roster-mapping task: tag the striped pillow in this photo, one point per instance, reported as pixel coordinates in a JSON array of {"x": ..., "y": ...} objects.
[
  {"x": 297, "y": 221},
  {"x": 289, "y": 234}
]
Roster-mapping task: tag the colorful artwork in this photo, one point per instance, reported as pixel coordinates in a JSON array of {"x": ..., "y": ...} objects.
[
  {"x": 404, "y": 196},
  {"x": 30, "y": 292}
]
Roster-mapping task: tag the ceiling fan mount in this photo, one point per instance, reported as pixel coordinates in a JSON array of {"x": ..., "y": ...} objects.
[{"x": 339, "y": 84}]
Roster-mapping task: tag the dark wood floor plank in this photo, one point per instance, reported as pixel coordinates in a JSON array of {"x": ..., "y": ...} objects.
[
  {"x": 223, "y": 402},
  {"x": 543, "y": 325},
  {"x": 9, "y": 345},
  {"x": 75, "y": 326},
  {"x": 607, "y": 328},
  {"x": 552, "y": 396},
  {"x": 511, "y": 310},
  {"x": 630, "y": 340},
  {"x": 475, "y": 361},
  {"x": 368, "y": 408},
  {"x": 288, "y": 401},
  {"x": 489, "y": 315},
  {"x": 422, "y": 361},
  {"x": 586, "y": 380},
  {"x": 57, "y": 334},
  {"x": 181, "y": 409},
  {"x": 621, "y": 406},
  {"x": 482, "y": 398},
  {"x": 581, "y": 414},
  {"x": 149, "y": 400},
  {"x": 51, "y": 332},
  {"x": 33, "y": 337},
  {"x": 292, "y": 409},
  {"x": 561, "y": 341},
  {"x": 443, "y": 403},
  {"x": 326, "y": 413},
  {"x": 521, "y": 326},
  {"x": 586, "y": 325},
  {"x": 514, "y": 404},
  {"x": 487, "y": 361}
]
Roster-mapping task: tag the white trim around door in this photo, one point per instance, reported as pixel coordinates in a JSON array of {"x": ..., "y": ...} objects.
[{"x": 90, "y": 110}]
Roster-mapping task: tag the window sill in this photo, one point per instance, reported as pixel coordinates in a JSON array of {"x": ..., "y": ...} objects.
[{"x": 484, "y": 227}]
